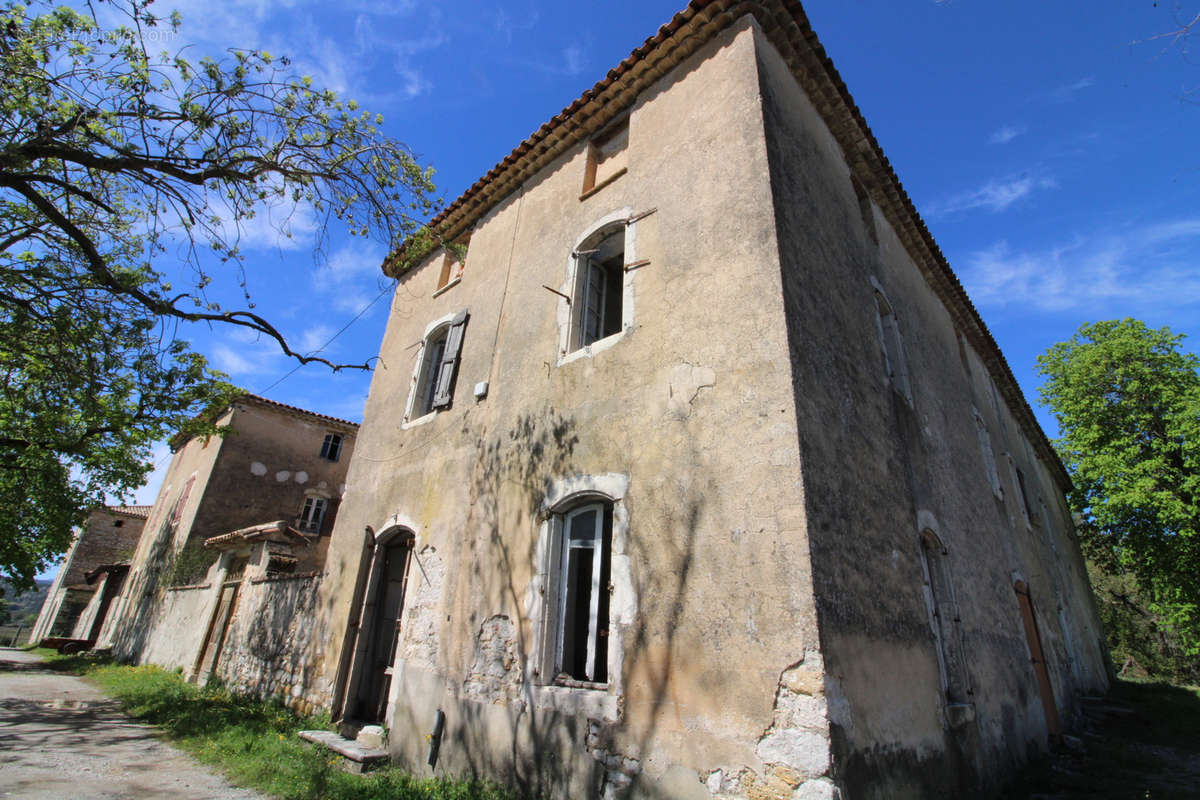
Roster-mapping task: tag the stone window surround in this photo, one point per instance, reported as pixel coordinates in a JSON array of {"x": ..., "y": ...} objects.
[
  {"x": 564, "y": 494},
  {"x": 983, "y": 433},
  {"x": 956, "y": 714},
  {"x": 430, "y": 329},
  {"x": 898, "y": 375},
  {"x": 565, "y": 311}
]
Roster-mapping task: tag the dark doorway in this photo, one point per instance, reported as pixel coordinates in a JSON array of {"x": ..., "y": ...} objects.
[
  {"x": 1038, "y": 656},
  {"x": 113, "y": 583},
  {"x": 382, "y": 627}
]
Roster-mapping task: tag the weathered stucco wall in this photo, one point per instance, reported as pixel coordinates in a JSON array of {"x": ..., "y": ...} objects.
[
  {"x": 262, "y": 470},
  {"x": 881, "y": 467},
  {"x": 267, "y": 648},
  {"x": 134, "y": 615},
  {"x": 688, "y": 413},
  {"x": 100, "y": 541},
  {"x": 267, "y": 465},
  {"x": 181, "y": 620}
]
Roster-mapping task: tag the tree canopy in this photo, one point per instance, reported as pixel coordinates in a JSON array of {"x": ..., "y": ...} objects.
[
  {"x": 1127, "y": 401},
  {"x": 115, "y": 160}
]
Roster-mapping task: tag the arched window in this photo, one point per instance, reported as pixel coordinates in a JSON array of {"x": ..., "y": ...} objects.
[
  {"x": 584, "y": 573},
  {"x": 945, "y": 622},
  {"x": 893, "y": 351},
  {"x": 599, "y": 286},
  {"x": 437, "y": 367}
]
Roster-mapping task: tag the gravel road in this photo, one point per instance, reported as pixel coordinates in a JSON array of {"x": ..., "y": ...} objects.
[{"x": 60, "y": 737}]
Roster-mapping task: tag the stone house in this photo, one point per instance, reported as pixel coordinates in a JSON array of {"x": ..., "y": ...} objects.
[
  {"x": 700, "y": 476},
  {"x": 91, "y": 575},
  {"x": 232, "y": 549}
]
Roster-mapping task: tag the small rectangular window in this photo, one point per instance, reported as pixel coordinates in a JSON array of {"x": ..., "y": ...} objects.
[
  {"x": 312, "y": 515},
  {"x": 452, "y": 264},
  {"x": 606, "y": 156},
  {"x": 331, "y": 448}
]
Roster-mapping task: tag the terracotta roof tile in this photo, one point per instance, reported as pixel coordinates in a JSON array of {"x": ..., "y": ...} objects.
[{"x": 142, "y": 512}]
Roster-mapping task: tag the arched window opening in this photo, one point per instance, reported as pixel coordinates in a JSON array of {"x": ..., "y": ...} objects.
[
  {"x": 433, "y": 387},
  {"x": 946, "y": 624},
  {"x": 584, "y": 574},
  {"x": 893, "y": 351},
  {"x": 599, "y": 287}
]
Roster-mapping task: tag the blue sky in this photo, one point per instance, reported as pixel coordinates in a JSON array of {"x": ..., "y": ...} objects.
[{"x": 1049, "y": 147}]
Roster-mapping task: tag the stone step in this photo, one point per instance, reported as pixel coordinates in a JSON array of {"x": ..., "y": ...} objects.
[{"x": 360, "y": 758}]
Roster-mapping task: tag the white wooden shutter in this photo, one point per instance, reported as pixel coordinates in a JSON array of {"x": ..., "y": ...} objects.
[{"x": 445, "y": 373}]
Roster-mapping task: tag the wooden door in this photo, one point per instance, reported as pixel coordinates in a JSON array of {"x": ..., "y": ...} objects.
[
  {"x": 1038, "y": 657},
  {"x": 210, "y": 655},
  {"x": 384, "y": 629}
]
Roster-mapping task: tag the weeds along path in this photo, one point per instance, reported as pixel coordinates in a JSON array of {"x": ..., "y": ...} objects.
[{"x": 61, "y": 737}]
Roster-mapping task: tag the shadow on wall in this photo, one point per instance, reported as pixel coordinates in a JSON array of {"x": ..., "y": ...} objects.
[
  {"x": 544, "y": 751},
  {"x": 132, "y": 630},
  {"x": 271, "y": 648}
]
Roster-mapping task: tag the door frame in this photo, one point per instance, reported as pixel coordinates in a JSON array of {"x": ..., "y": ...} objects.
[
  {"x": 359, "y": 667},
  {"x": 1037, "y": 657}
]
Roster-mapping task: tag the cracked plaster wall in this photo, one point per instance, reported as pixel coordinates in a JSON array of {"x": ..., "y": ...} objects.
[
  {"x": 691, "y": 406},
  {"x": 879, "y": 467}
]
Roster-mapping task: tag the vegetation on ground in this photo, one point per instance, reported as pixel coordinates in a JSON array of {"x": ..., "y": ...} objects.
[
  {"x": 256, "y": 743},
  {"x": 1141, "y": 742}
]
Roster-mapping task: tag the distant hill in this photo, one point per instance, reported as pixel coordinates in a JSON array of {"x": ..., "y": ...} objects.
[{"x": 21, "y": 608}]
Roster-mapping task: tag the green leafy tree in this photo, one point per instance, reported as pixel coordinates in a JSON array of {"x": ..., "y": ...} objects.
[
  {"x": 113, "y": 159},
  {"x": 1127, "y": 401}
]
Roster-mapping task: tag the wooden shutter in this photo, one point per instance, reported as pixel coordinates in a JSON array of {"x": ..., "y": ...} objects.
[
  {"x": 183, "y": 498},
  {"x": 445, "y": 373}
]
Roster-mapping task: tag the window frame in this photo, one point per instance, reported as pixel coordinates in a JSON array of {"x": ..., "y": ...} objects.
[
  {"x": 593, "y": 181},
  {"x": 598, "y": 589},
  {"x": 331, "y": 446},
  {"x": 570, "y": 311},
  {"x": 895, "y": 360},
  {"x": 448, "y": 275},
  {"x": 563, "y": 497},
  {"x": 989, "y": 454},
  {"x": 938, "y": 588},
  {"x": 432, "y": 387},
  {"x": 305, "y": 523}
]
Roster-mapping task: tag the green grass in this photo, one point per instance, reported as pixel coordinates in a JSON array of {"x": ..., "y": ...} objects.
[{"x": 255, "y": 743}]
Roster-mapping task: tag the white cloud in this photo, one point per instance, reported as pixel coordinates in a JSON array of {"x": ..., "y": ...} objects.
[
  {"x": 573, "y": 59},
  {"x": 994, "y": 196},
  {"x": 351, "y": 278},
  {"x": 1064, "y": 93},
  {"x": 314, "y": 338},
  {"x": 506, "y": 25},
  {"x": 1138, "y": 270},
  {"x": 257, "y": 358},
  {"x": 1006, "y": 134},
  {"x": 230, "y": 361}
]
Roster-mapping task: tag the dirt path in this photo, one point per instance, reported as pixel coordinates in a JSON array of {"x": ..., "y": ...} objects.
[{"x": 61, "y": 737}]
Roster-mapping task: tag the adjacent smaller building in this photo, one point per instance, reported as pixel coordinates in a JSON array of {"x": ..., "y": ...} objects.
[
  {"x": 92, "y": 574},
  {"x": 233, "y": 549}
]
